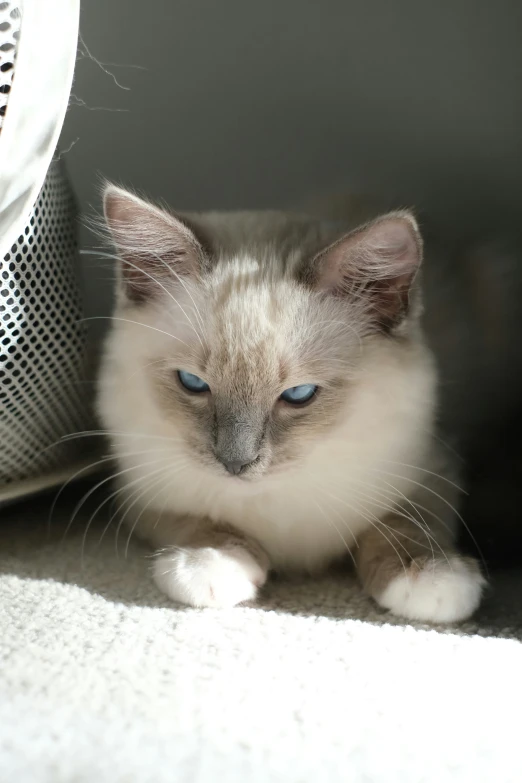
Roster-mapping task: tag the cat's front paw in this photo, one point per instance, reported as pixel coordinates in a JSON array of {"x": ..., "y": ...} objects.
[
  {"x": 435, "y": 591},
  {"x": 209, "y": 576}
]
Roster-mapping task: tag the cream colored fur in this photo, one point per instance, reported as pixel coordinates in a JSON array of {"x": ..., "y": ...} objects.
[{"x": 371, "y": 467}]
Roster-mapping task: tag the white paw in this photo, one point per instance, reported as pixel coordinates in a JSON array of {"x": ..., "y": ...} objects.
[
  {"x": 209, "y": 577},
  {"x": 437, "y": 592}
]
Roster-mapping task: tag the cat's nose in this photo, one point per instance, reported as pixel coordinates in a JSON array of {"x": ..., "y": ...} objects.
[{"x": 236, "y": 466}]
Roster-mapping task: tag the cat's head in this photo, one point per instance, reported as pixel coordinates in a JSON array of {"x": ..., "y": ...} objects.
[{"x": 245, "y": 335}]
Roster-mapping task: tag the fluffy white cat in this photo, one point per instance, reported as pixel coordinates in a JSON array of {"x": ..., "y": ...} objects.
[{"x": 270, "y": 397}]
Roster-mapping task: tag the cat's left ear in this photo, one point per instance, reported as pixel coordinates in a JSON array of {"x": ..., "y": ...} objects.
[
  {"x": 154, "y": 246},
  {"x": 376, "y": 263}
]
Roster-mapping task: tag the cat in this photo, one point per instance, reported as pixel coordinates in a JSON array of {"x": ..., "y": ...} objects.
[{"x": 271, "y": 388}]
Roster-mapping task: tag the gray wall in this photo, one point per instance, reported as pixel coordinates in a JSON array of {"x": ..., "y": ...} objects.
[{"x": 247, "y": 104}]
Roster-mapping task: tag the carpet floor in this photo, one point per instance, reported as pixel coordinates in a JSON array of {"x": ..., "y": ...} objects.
[{"x": 102, "y": 680}]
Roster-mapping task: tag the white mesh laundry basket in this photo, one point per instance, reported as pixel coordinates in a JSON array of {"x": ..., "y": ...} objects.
[{"x": 43, "y": 394}]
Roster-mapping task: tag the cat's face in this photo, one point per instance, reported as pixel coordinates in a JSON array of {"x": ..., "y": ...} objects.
[
  {"x": 251, "y": 353},
  {"x": 266, "y": 370}
]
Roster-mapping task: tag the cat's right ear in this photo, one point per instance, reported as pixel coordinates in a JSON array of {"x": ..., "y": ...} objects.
[
  {"x": 155, "y": 248},
  {"x": 377, "y": 263}
]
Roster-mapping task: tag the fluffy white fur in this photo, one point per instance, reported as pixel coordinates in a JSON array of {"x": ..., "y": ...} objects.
[
  {"x": 443, "y": 592},
  {"x": 380, "y": 455},
  {"x": 209, "y": 576},
  {"x": 286, "y": 513}
]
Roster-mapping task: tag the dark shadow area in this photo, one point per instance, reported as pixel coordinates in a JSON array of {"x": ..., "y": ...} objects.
[{"x": 492, "y": 509}]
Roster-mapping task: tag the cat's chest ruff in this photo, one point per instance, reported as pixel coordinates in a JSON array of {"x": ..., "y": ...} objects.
[
  {"x": 303, "y": 530},
  {"x": 302, "y": 523}
]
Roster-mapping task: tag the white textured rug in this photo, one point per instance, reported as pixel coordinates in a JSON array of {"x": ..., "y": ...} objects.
[{"x": 102, "y": 681}]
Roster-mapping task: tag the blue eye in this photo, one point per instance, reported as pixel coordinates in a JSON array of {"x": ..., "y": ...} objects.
[
  {"x": 298, "y": 395},
  {"x": 192, "y": 382}
]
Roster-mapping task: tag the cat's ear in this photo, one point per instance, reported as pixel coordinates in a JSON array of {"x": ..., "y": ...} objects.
[
  {"x": 155, "y": 247},
  {"x": 377, "y": 263}
]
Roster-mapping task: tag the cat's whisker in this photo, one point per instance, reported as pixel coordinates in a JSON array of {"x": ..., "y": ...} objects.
[
  {"x": 128, "y": 500},
  {"x": 424, "y": 470},
  {"x": 368, "y": 518},
  {"x": 102, "y": 504},
  {"x": 332, "y": 523},
  {"x": 448, "y": 504},
  {"x": 173, "y": 272},
  {"x": 418, "y": 544},
  {"x": 370, "y": 462},
  {"x": 123, "y": 489},
  {"x": 111, "y": 497},
  {"x": 104, "y": 481},
  {"x": 130, "y": 321},
  {"x": 72, "y": 478},
  {"x": 165, "y": 289},
  {"x": 400, "y": 511},
  {"x": 119, "y": 491},
  {"x": 138, "y": 452},
  {"x": 435, "y": 516},
  {"x": 161, "y": 512},
  {"x": 144, "y": 509},
  {"x": 135, "y": 498},
  {"x": 397, "y": 511},
  {"x": 105, "y": 460},
  {"x": 419, "y": 468},
  {"x": 115, "y": 433},
  {"x": 421, "y": 524},
  {"x": 99, "y": 254},
  {"x": 112, "y": 514}
]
